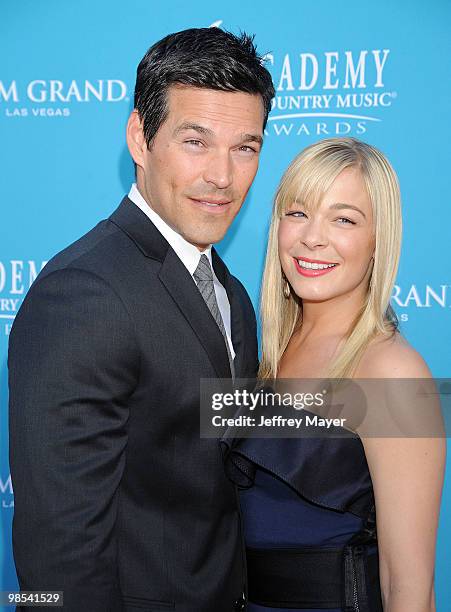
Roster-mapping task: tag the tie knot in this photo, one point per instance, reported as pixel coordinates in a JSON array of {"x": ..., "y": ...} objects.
[{"x": 203, "y": 272}]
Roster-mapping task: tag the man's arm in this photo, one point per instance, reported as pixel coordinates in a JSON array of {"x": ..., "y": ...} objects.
[{"x": 73, "y": 362}]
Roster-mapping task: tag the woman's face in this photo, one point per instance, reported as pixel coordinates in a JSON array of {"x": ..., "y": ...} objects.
[{"x": 327, "y": 253}]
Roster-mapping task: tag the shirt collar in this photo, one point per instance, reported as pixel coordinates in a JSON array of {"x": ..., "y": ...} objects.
[{"x": 187, "y": 252}]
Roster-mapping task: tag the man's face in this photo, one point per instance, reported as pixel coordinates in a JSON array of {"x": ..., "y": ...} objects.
[{"x": 202, "y": 162}]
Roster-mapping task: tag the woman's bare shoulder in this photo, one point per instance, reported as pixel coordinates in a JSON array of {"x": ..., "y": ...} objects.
[{"x": 392, "y": 357}]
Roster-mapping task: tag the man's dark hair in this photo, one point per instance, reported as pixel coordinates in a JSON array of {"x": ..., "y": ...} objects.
[{"x": 199, "y": 57}]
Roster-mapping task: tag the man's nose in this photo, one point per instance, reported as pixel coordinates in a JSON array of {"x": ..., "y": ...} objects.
[{"x": 219, "y": 170}]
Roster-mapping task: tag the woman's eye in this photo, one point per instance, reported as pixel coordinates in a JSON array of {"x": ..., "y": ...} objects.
[
  {"x": 296, "y": 213},
  {"x": 345, "y": 221}
]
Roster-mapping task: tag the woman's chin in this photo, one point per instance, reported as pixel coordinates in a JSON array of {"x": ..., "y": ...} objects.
[
  {"x": 316, "y": 299},
  {"x": 311, "y": 295}
]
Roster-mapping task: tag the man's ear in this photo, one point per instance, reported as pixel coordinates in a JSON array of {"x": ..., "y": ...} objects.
[{"x": 135, "y": 138}]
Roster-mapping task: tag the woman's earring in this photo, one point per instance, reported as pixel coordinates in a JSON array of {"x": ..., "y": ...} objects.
[
  {"x": 286, "y": 289},
  {"x": 371, "y": 276}
]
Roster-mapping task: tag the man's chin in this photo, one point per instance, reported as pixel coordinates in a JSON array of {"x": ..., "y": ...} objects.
[
  {"x": 204, "y": 243},
  {"x": 203, "y": 240}
]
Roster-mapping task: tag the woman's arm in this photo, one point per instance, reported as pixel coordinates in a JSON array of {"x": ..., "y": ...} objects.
[{"x": 407, "y": 475}]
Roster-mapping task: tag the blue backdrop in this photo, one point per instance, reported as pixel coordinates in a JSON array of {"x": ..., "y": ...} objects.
[{"x": 378, "y": 71}]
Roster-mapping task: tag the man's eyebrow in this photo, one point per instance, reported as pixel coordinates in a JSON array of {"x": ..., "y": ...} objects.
[
  {"x": 342, "y": 205},
  {"x": 252, "y": 138},
  {"x": 207, "y": 132},
  {"x": 193, "y": 126}
]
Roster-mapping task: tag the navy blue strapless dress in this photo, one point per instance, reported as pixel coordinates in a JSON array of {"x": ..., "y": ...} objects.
[
  {"x": 275, "y": 516},
  {"x": 299, "y": 493}
]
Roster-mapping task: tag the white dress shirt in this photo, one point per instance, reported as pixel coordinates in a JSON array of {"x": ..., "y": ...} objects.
[{"x": 189, "y": 256}]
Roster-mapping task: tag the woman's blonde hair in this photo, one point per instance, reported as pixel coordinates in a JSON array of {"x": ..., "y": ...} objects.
[{"x": 306, "y": 180}]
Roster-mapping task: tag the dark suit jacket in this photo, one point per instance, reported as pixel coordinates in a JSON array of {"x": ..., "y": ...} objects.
[{"x": 118, "y": 502}]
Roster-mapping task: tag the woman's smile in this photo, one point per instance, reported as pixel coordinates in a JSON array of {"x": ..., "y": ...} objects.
[{"x": 313, "y": 267}]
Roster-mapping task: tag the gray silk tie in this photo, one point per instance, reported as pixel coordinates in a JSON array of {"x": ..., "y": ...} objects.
[{"x": 203, "y": 275}]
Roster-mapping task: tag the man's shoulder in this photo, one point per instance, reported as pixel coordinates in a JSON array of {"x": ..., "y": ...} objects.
[
  {"x": 100, "y": 251},
  {"x": 86, "y": 263},
  {"x": 92, "y": 243}
]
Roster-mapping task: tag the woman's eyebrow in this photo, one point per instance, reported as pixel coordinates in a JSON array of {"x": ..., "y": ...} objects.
[{"x": 342, "y": 205}]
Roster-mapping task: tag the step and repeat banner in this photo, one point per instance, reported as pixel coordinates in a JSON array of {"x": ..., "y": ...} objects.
[{"x": 376, "y": 71}]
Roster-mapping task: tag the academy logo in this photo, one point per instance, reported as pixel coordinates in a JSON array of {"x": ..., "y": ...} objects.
[{"x": 334, "y": 93}]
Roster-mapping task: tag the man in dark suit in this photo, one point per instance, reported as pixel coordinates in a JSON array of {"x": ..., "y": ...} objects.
[{"x": 118, "y": 501}]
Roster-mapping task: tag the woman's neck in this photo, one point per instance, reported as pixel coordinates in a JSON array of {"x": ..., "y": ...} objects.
[{"x": 333, "y": 317}]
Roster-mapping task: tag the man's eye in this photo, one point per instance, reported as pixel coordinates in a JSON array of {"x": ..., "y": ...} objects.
[
  {"x": 248, "y": 149},
  {"x": 195, "y": 143}
]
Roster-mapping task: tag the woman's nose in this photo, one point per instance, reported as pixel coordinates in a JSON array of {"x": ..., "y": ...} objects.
[{"x": 314, "y": 234}]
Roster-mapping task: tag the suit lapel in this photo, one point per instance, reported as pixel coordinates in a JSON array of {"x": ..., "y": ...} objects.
[{"x": 179, "y": 283}]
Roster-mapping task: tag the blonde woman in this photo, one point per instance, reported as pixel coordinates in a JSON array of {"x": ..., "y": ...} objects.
[{"x": 312, "y": 507}]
